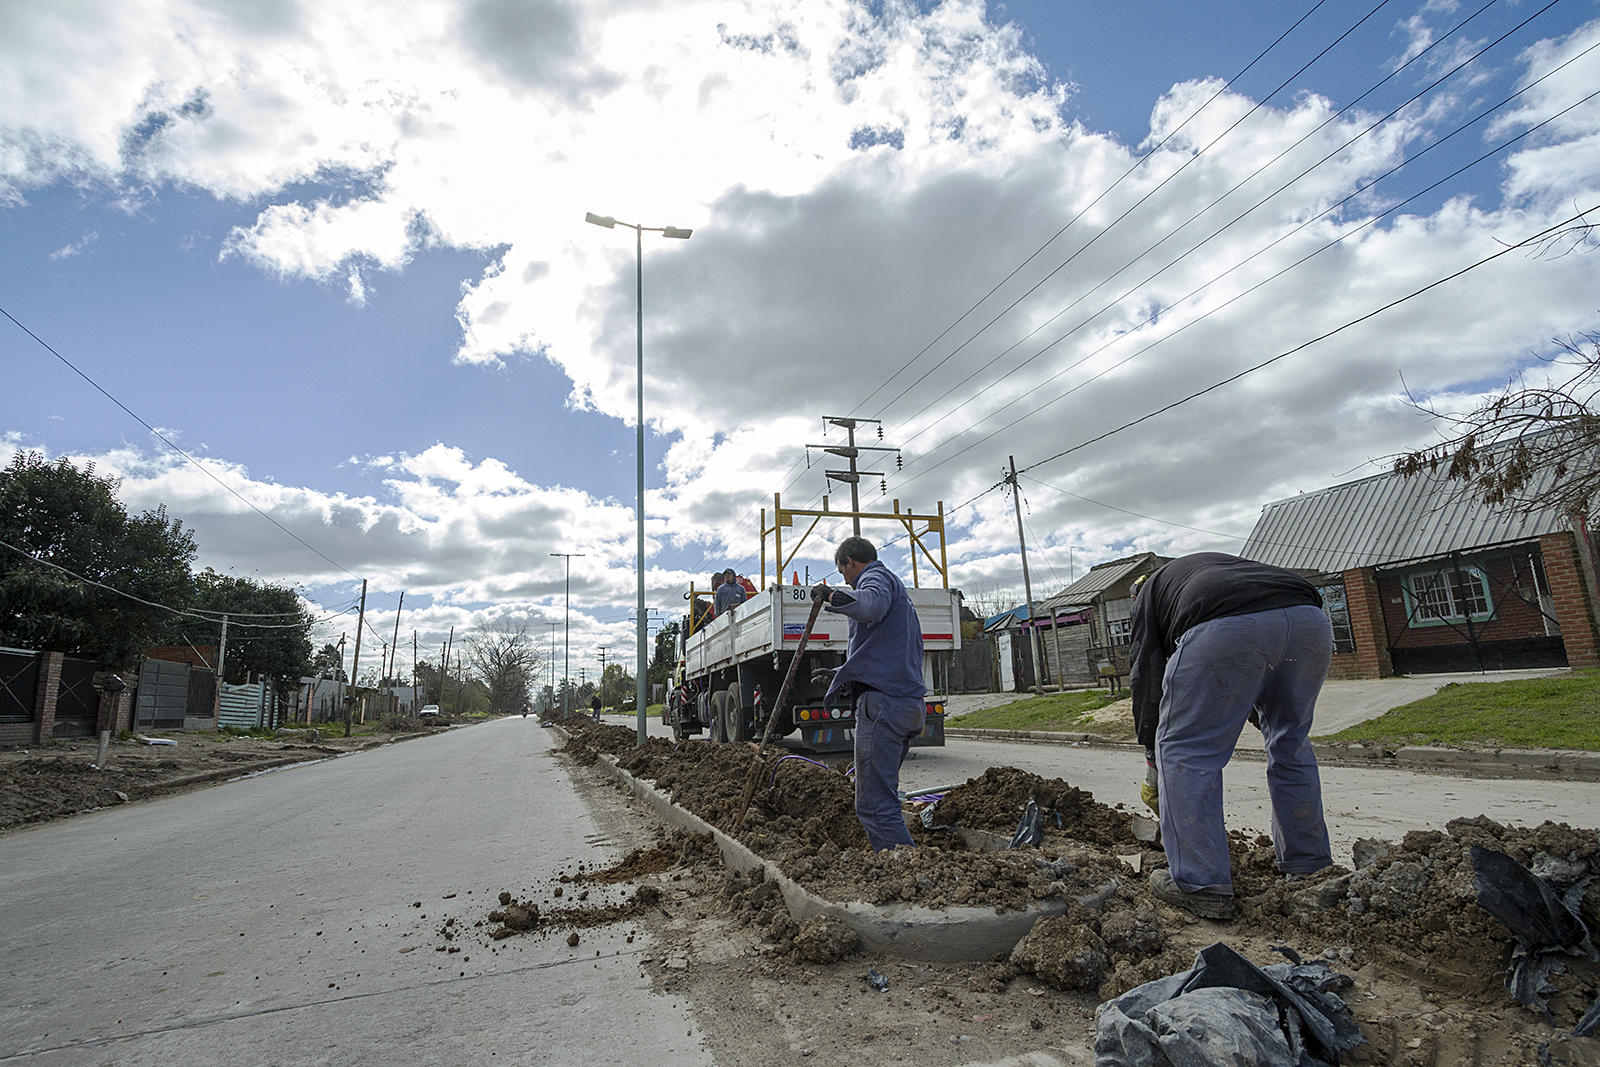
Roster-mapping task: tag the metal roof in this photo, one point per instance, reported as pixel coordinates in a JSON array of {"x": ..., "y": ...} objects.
[
  {"x": 1083, "y": 592},
  {"x": 1384, "y": 519}
]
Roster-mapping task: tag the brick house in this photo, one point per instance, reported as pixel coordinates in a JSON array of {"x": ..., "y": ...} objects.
[{"x": 1420, "y": 578}]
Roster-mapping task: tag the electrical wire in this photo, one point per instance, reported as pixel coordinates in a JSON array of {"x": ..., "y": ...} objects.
[
  {"x": 1141, "y": 201},
  {"x": 164, "y": 607},
  {"x": 1088, "y": 207},
  {"x": 1220, "y": 307},
  {"x": 1263, "y": 201},
  {"x": 169, "y": 443}
]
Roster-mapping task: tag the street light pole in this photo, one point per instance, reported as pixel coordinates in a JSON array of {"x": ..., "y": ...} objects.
[
  {"x": 566, "y": 667},
  {"x": 608, "y": 222}
]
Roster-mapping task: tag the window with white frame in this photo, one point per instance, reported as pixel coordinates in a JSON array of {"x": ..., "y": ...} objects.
[{"x": 1434, "y": 598}]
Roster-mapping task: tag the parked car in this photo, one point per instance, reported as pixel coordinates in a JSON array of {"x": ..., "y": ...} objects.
[{"x": 429, "y": 709}]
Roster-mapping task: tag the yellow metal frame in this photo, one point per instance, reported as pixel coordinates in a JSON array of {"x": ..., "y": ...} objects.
[{"x": 784, "y": 517}]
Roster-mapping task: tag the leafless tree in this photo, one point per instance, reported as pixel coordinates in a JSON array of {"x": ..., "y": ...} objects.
[
  {"x": 500, "y": 652},
  {"x": 988, "y": 600},
  {"x": 1530, "y": 448}
]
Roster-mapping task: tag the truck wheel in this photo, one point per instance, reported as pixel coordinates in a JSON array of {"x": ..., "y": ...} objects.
[
  {"x": 719, "y": 715},
  {"x": 733, "y": 722}
]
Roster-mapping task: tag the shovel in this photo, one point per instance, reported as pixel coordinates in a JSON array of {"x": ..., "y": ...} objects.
[{"x": 772, "y": 717}]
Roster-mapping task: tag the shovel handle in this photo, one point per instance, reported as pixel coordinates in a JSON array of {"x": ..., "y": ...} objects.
[{"x": 772, "y": 716}]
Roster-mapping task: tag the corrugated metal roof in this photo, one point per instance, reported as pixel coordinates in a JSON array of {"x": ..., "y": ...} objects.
[
  {"x": 1384, "y": 519},
  {"x": 1082, "y": 592}
]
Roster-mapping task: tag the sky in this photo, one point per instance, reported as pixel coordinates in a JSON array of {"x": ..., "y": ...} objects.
[{"x": 336, "y": 254}]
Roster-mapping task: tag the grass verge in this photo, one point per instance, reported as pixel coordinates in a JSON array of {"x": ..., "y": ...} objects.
[
  {"x": 1071, "y": 712},
  {"x": 1559, "y": 712}
]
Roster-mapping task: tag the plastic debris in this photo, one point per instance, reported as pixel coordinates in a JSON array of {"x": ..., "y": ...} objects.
[
  {"x": 1545, "y": 924},
  {"x": 1030, "y": 829},
  {"x": 877, "y": 981},
  {"x": 143, "y": 740},
  {"x": 1226, "y": 1010}
]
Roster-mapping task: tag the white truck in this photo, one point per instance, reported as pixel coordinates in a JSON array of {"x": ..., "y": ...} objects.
[{"x": 730, "y": 669}]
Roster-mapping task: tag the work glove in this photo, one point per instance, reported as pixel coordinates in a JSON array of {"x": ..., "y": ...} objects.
[
  {"x": 822, "y": 677},
  {"x": 830, "y": 595},
  {"x": 821, "y": 591},
  {"x": 1150, "y": 788}
]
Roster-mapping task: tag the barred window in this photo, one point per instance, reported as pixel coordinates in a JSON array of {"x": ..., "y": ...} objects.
[
  {"x": 1435, "y": 597},
  {"x": 1337, "y": 608}
]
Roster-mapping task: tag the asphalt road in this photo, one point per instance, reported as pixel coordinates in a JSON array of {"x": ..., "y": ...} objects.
[{"x": 264, "y": 921}]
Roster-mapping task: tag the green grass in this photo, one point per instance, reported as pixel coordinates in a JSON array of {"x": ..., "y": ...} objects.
[
  {"x": 1562, "y": 712},
  {"x": 1059, "y": 711}
]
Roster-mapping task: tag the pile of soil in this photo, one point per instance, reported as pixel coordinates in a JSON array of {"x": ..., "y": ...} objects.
[{"x": 1410, "y": 907}]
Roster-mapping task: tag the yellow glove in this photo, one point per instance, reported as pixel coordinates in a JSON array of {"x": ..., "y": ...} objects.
[{"x": 1150, "y": 788}]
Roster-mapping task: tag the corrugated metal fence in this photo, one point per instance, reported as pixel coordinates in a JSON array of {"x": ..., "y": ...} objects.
[{"x": 244, "y": 706}]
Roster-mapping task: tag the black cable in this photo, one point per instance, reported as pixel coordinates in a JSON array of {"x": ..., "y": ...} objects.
[
  {"x": 1243, "y": 293},
  {"x": 1084, "y": 210},
  {"x": 164, "y": 607},
  {"x": 1263, "y": 201},
  {"x": 168, "y": 442},
  {"x": 1535, "y": 238},
  {"x": 1139, "y": 202}
]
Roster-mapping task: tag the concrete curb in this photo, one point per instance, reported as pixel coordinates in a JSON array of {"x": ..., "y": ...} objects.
[
  {"x": 1532, "y": 763},
  {"x": 955, "y": 935}
]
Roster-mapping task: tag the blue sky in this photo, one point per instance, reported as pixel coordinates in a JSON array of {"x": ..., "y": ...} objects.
[{"x": 398, "y": 337}]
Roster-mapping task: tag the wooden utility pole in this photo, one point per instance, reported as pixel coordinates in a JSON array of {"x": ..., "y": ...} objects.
[
  {"x": 395, "y": 654},
  {"x": 444, "y": 665},
  {"x": 414, "y": 708},
  {"x": 222, "y": 661},
  {"x": 355, "y": 662},
  {"x": 1027, "y": 583}
]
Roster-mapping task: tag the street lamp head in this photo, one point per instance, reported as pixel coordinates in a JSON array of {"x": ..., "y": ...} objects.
[
  {"x": 673, "y": 231},
  {"x": 602, "y": 220}
]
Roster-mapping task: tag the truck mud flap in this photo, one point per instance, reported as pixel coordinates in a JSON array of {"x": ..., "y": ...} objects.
[
  {"x": 932, "y": 735},
  {"x": 827, "y": 737}
]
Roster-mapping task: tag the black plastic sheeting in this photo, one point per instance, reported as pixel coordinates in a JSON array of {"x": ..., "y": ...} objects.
[
  {"x": 1030, "y": 828},
  {"x": 1544, "y": 922},
  {"x": 1225, "y": 1011}
]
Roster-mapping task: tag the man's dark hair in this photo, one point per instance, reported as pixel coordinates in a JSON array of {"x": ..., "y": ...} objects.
[{"x": 855, "y": 548}]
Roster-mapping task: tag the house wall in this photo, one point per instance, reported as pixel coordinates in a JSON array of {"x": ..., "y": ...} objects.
[{"x": 1517, "y": 633}]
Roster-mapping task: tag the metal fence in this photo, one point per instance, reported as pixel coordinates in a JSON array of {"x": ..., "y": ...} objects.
[{"x": 19, "y": 684}]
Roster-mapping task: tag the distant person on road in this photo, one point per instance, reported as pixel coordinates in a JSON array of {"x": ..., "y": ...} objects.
[
  {"x": 882, "y": 675},
  {"x": 594, "y": 707},
  {"x": 729, "y": 593},
  {"x": 1218, "y": 641}
]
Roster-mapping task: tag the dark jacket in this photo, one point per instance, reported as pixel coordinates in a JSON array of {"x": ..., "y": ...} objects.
[
  {"x": 729, "y": 594},
  {"x": 1185, "y": 593},
  {"x": 885, "y": 637}
]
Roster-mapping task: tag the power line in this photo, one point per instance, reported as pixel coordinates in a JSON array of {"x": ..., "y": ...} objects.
[
  {"x": 1086, "y": 208},
  {"x": 168, "y": 442},
  {"x": 1535, "y": 238},
  {"x": 1140, "y": 202},
  {"x": 1117, "y": 300},
  {"x": 167, "y": 607},
  {"x": 1235, "y": 298}
]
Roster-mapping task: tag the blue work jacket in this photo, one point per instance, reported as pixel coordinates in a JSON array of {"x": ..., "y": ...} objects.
[{"x": 885, "y": 651}]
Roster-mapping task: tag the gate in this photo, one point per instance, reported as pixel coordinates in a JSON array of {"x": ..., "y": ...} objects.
[
  {"x": 77, "y": 702},
  {"x": 19, "y": 684},
  {"x": 163, "y": 695}
]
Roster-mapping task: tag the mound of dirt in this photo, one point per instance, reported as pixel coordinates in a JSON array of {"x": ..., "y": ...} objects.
[{"x": 995, "y": 801}]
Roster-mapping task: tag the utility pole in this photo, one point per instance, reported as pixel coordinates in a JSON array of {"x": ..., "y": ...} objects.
[
  {"x": 414, "y": 708},
  {"x": 338, "y": 678},
  {"x": 222, "y": 662},
  {"x": 444, "y": 665},
  {"x": 851, "y": 452},
  {"x": 566, "y": 666},
  {"x": 603, "y": 669},
  {"x": 355, "y": 662},
  {"x": 553, "y": 627},
  {"x": 1027, "y": 583},
  {"x": 396, "y": 648}
]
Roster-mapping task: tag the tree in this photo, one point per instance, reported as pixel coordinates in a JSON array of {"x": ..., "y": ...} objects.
[
  {"x": 269, "y": 632},
  {"x": 70, "y": 516},
  {"x": 1530, "y": 448},
  {"x": 328, "y": 663},
  {"x": 502, "y": 654},
  {"x": 666, "y": 655},
  {"x": 616, "y": 687}
]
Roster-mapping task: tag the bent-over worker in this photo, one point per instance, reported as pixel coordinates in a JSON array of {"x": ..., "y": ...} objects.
[
  {"x": 1215, "y": 638},
  {"x": 882, "y": 672}
]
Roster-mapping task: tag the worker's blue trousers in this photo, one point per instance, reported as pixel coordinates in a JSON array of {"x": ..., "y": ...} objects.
[
  {"x": 885, "y": 726},
  {"x": 1274, "y": 661}
]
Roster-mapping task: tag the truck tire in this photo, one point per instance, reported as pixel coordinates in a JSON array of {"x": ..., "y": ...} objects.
[
  {"x": 719, "y": 715},
  {"x": 733, "y": 726}
]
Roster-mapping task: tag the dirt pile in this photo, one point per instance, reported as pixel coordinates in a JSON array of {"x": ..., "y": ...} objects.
[{"x": 995, "y": 801}]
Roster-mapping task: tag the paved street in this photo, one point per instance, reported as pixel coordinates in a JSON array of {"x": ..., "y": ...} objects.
[{"x": 265, "y": 921}]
